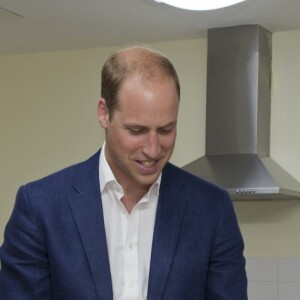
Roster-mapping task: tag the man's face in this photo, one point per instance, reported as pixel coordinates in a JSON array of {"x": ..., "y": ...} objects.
[{"x": 140, "y": 136}]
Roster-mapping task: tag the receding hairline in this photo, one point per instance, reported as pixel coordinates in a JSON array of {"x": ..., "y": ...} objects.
[
  {"x": 138, "y": 51},
  {"x": 144, "y": 60}
]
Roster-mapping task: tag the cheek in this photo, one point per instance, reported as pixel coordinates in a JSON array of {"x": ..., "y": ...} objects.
[
  {"x": 129, "y": 143},
  {"x": 168, "y": 142}
]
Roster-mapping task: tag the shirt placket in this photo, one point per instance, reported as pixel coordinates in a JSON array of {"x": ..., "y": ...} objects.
[{"x": 131, "y": 266}]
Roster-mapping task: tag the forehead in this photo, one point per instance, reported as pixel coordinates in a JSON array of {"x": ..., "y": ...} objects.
[
  {"x": 147, "y": 80},
  {"x": 146, "y": 99},
  {"x": 139, "y": 85}
]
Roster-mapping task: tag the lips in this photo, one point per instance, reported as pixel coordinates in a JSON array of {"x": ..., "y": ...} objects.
[{"x": 147, "y": 163}]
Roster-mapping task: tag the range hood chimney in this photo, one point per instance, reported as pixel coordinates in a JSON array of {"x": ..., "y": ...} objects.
[{"x": 238, "y": 117}]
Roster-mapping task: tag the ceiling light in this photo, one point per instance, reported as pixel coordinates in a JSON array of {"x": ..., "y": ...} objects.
[{"x": 199, "y": 4}]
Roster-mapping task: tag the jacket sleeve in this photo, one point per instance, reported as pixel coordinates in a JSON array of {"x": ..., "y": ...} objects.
[
  {"x": 226, "y": 279},
  {"x": 24, "y": 273}
]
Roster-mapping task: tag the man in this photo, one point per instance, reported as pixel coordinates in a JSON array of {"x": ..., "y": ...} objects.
[{"x": 126, "y": 224}]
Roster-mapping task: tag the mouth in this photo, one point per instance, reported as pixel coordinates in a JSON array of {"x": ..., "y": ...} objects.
[{"x": 148, "y": 164}]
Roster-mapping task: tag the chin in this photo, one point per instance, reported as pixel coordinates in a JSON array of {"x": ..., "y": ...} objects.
[{"x": 151, "y": 180}]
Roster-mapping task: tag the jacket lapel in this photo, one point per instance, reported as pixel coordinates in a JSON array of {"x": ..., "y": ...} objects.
[
  {"x": 87, "y": 210},
  {"x": 170, "y": 212}
]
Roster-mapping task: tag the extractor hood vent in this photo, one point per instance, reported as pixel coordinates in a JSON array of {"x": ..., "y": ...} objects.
[{"x": 238, "y": 117}]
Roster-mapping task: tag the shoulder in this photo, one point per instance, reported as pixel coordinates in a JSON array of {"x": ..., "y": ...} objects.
[
  {"x": 63, "y": 179},
  {"x": 199, "y": 193},
  {"x": 191, "y": 181},
  {"x": 52, "y": 194}
]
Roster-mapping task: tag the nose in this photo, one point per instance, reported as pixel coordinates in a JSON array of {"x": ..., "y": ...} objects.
[{"x": 152, "y": 146}]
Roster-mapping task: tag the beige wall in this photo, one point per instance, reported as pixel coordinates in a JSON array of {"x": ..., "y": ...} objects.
[
  {"x": 271, "y": 228},
  {"x": 48, "y": 121}
]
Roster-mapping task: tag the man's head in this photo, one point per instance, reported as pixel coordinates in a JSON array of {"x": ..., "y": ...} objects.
[
  {"x": 138, "y": 110},
  {"x": 148, "y": 63}
]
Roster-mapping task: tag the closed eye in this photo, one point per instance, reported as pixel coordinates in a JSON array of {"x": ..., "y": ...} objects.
[
  {"x": 136, "y": 130},
  {"x": 139, "y": 130},
  {"x": 166, "y": 130}
]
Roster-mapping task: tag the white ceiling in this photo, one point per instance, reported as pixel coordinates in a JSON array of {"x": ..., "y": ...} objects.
[{"x": 52, "y": 25}]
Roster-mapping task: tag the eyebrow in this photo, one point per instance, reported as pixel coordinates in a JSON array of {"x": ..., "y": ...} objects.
[{"x": 136, "y": 125}]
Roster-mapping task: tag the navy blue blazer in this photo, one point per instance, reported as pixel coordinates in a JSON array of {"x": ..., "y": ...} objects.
[{"x": 55, "y": 246}]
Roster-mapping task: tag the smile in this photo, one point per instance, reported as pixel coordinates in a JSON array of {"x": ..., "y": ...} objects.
[{"x": 147, "y": 163}]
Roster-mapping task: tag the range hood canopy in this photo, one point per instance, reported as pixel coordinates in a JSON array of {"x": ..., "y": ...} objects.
[{"x": 238, "y": 117}]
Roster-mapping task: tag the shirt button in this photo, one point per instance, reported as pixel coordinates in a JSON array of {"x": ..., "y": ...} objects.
[
  {"x": 131, "y": 245},
  {"x": 131, "y": 284}
]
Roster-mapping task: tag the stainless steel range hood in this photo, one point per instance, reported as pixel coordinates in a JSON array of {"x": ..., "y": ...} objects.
[{"x": 238, "y": 117}]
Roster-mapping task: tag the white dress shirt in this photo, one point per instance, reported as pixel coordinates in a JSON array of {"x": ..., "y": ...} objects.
[{"x": 129, "y": 236}]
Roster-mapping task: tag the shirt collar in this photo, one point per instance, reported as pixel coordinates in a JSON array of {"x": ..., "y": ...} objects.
[{"x": 106, "y": 175}]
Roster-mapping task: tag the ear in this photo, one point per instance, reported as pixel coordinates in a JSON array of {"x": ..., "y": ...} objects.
[{"x": 102, "y": 113}]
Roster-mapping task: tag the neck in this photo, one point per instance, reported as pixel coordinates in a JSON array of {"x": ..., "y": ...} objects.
[{"x": 132, "y": 197}]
